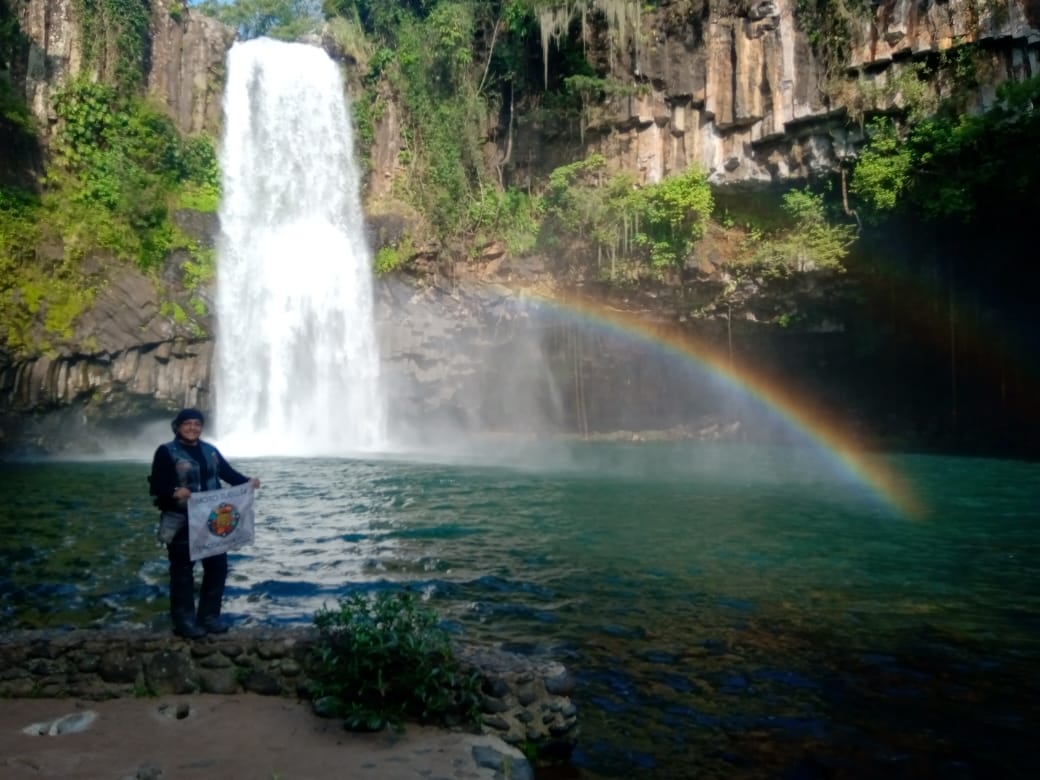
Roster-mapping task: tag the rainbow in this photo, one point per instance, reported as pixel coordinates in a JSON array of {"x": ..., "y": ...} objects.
[{"x": 824, "y": 429}]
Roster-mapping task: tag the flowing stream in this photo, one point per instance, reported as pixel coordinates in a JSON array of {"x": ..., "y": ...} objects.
[{"x": 298, "y": 363}]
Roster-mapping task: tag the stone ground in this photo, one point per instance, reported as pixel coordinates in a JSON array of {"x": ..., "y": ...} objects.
[{"x": 246, "y": 736}]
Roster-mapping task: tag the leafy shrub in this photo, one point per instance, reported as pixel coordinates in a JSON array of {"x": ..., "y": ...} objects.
[
  {"x": 350, "y": 37},
  {"x": 393, "y": 258},
  {"x": 13, "y": 110},
  {"x": 642, "y": 230},
  {"x": 884, "y": 168},
  {"x": 584, "y": 200},
  {"x": 512, "y": 215},
  {"x": 383, "y": 660},
  {"x": 672, "y": 215},
  {"x": 954, "y": 165},
  {"x": 50, "y": 295},
  {"x": 444, "y": 115},
  {"x": 808, "y": 242},
  {"x": 18, "y": 236},
  {"x": 115, "y": 34},
  {"x": 119, "y": 164}
]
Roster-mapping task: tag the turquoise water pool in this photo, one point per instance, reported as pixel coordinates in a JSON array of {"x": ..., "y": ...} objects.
[{"x": 728, "y": 611}]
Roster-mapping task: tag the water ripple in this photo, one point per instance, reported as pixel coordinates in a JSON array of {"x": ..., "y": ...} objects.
[{"x": 719, "y": 620}]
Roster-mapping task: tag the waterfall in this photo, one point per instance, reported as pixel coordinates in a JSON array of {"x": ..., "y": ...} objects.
[{"x": 297, "y": 359}]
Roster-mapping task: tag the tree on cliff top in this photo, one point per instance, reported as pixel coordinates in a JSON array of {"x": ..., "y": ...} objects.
[{"x": 283, "y": 19}]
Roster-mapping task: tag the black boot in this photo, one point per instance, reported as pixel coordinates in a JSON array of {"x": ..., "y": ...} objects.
[
  {"x": 211, "y": 594},
  {"x": 182, "y": 604}
]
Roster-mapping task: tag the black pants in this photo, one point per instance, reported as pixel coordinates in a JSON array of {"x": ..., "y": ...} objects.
[{"x": 182, "y": 582}]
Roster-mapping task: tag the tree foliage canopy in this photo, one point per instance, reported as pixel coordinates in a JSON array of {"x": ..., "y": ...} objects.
[
  {"x": 953, "y": 165},
  {"x": 282, "y": 19},
  {"x": 119, "y": 160},
  {"x": 652, "y": 227},
  {"x": 810, "y": 240}
]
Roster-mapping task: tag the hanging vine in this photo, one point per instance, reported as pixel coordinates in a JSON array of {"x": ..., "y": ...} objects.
[
  {"x": 115, "y": 38},
  {"x": 622, "y": 17}
]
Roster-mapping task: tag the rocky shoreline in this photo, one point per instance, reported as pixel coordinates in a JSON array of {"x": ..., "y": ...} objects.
[{"x": 525, "y": 701}]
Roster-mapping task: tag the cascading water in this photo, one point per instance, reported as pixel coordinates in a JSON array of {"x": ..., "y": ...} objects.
[{"x": 297, "y": 359}]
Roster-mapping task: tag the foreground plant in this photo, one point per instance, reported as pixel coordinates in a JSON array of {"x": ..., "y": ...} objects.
[{"x": 384, "y": 659}]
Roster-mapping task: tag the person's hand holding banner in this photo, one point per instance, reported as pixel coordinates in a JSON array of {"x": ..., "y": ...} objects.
[{"x": 220, "y": 520}]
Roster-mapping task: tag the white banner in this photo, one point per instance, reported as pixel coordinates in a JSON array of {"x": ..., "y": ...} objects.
[{"x": 220, "y": 520}]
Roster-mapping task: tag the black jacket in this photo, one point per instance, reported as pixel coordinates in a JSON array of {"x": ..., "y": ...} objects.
[{"x": 163, "y": 479}]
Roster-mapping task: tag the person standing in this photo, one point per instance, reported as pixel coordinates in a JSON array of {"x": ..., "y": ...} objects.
[{"x": 181, "y": 467}]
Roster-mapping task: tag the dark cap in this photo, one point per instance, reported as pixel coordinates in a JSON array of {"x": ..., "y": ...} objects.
[{"x": 184, "y": 415}]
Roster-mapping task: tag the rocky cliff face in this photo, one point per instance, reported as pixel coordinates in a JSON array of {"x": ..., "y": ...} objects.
[
  {"x": 187, "y": 64},
  {"x": 127, "y": 358},
  {"x": 737, "y": 89},
  {"x": 184, "y": 65}
]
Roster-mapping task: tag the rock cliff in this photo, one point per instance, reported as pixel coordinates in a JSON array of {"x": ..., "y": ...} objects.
[
  {"x": 127, "y": 357},
  {"x": 735, "y": 87},
  {"x": 183, "y": 64},
  {"x": 127, "y": 360}
]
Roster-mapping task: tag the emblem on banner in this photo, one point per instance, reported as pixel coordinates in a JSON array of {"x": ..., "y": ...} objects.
[
  {"x": 220, "y": 520},
  {"x": 223, "y": 520}
]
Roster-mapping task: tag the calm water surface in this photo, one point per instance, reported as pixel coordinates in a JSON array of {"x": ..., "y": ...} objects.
[{"x": 727, "y": 611}]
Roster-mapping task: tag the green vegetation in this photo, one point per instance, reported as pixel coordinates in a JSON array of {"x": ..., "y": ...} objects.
[
  {"x": 197, "y": 175},
  {"x": 394, "y": 257},
  {"x": 13, "y": 111},
  {"x": 929, "y": 153},
  {"x": 953, "y": 165},
  {"x": 452, "y": 65},
  {"x": 115, "y": 36},
  {"x": 592, "y": 91},
  {"x": 463, "y": 74},
  {"x": 641, "y": 231},
  {"x": 118, "y": 168},
  {"x": 584, "y": 202},
  {"x": 383, "y": 660},
  {"x": 671, "y": 217},
  {"x": 512, "y": 216},
  {"x": 883, "y": 170},
  {"x": 444, "y": 151},
  {"x": 283, "y": 19},
  {"x": 828, "y": 24},
  {"x": 808, "y": 240},
  {"x": 350, "y": 37},
  {"x": 21, "y": 281},
  {"x": 41, "y": 299}
]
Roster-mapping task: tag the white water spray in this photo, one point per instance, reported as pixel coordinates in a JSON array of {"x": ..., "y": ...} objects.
[{"x": 298, "y": 364}]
